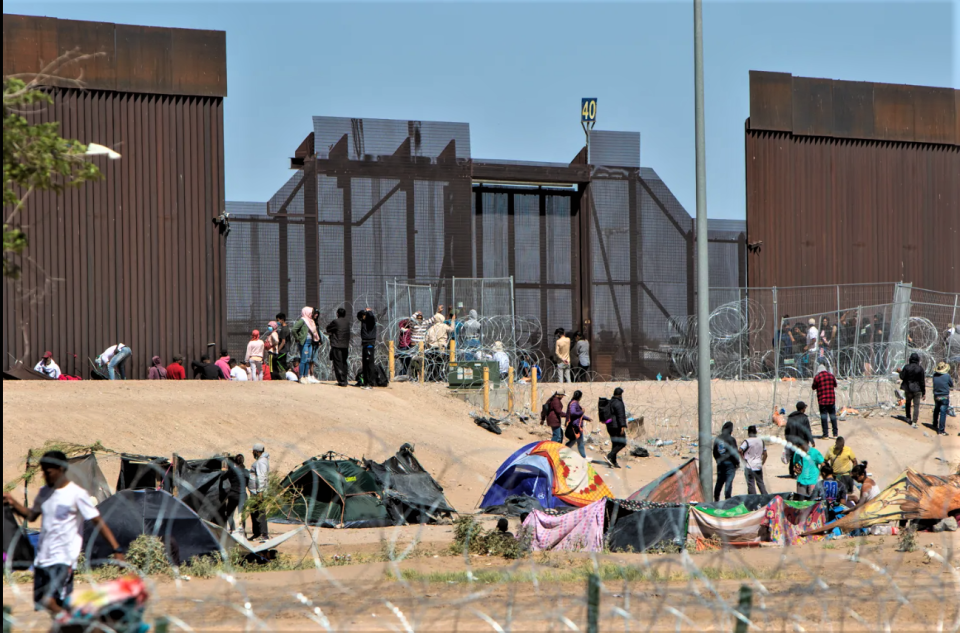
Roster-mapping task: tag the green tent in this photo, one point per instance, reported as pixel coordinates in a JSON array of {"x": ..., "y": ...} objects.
[{"x": 333, "y": 493}]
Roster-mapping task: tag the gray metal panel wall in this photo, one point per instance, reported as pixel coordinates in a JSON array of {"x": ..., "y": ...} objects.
[{"x": 134, "y": 257}]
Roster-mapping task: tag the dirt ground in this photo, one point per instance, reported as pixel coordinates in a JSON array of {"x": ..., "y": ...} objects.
[{"x": 197, "y": 419}]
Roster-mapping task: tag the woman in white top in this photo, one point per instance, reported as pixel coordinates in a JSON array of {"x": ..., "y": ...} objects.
[
  {"x": 255, "y": 355},
  {"x": 868, "y": 487}
]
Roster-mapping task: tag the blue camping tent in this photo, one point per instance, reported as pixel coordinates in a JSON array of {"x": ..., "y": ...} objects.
[{"x": 523, "y": 474}]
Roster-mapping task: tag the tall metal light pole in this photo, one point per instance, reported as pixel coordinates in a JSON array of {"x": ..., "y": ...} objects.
[{"x": 703, "y": 263}]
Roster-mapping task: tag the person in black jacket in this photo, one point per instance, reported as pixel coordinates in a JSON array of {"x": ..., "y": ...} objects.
[
  {"x": 728, "y": 460},
  {"x": 617, "y": 427},
  {"x": 914, "y": 385},
  {"x": 797, "y": 432},
  {"x": 368, "y": 342},
  {"x": 339, "y": 333},
  {"x": 205, "y": 370},
  {"x": 236, "y": 476}
]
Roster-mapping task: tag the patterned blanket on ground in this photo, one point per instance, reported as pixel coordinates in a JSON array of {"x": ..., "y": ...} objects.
[
  {"x": 577, "y": 531},
  {"x": 787, "y": 523},
  {"x": 574, "y": 480}
]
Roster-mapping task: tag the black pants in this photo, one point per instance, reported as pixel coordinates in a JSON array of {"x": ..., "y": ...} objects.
[
  {"x": 367, "y": 369},
  {"x": 258, "y": 521},
  {"x": 828, "y": 411},
  {"x": 754, "y": 480},
  {"x": 915, "y": 399},
  {"x": 618, "y": 442},
  {"x": 338, "y": 355},
  {"x": 227, "y": 508},
  {"x": 725, "y": 474},
  {"x": 941, "y": 405}
]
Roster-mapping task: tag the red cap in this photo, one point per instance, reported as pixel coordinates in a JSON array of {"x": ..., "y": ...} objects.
[{"x": 48, "y": 354}]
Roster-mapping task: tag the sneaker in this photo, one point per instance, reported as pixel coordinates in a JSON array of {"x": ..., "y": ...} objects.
[
  {"x": 824, "y": 437},
  {"x": 914, "y": 426},
  {"x": 304, "y": 380},
  {"x": 312, "y": 380},
  {"x": 367, "y": 388}
]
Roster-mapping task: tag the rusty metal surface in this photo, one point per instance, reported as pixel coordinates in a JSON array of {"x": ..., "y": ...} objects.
[
  {"x": 853, "y": 110},
  {"x": 843, "y": 211},
  {"x": 134, "y": 257},
  {"x": 136, "y": 58}
]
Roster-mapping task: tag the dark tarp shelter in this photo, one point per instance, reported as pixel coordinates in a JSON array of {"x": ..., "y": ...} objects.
[
  {"x": 17, "y": 550},
  {"x": 515, "y": 506},
  {"x": 141, "y": 472},
  {"x": 680, "y": 485},
  {"x": 130, "y": 513},
  {"x": 84, "y": 471},
  {"x": 197, "y": 482},
  {"x": 333, "y": 493},
  {"x": 412, "y": 495},
  {"x": 645, "y": 529}
]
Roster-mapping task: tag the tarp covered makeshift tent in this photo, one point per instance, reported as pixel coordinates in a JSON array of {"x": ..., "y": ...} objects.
[
  {"x": 17, "y": 550},
  {"x": 412, "y": 495},
  {"x": 141, "y": 472},
  {"x": 912, "y": 495},
  {"x": 553, "y": 474},
  {"x": 679, "y": 485},
  {"x": 639, "y": 530},
  {"x": 84, "y": 471},
  {"x": 197, "y": 483},
  {"x": 130, "y": 513},
  {"x": 333, "y": 493},
  {"x": 778, "y": 521},
  {"x": 579, "y": 530}
]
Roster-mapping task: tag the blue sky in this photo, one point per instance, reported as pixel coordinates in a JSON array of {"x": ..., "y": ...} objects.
[{"x": 516, "y": 72}]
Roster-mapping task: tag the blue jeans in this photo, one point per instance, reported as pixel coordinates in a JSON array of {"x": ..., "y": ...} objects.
[
  {"x": 940, "y": 407},
  {"x": 557, "y": 435},
  {"x": 115, "y": 366},
  {"x": 306, "y": 357},
  {"x": 579, "y": 443}
]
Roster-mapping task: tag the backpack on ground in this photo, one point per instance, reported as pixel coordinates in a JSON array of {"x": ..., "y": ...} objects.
[
  {"x": 604, "y": 410},
  {"x": 380, "y": 378}
]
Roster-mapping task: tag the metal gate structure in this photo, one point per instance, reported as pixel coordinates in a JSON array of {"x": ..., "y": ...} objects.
[{"x": 598, "y": 245}]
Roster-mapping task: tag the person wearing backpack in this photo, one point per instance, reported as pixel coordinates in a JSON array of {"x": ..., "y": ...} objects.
[
  {"x": 551, "y": 413},
  {"x": 616, "y": 426},
  {"x": 914, "y": 385}
]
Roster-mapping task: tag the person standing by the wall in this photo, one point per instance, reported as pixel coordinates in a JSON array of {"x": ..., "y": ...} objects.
[
  {"x": 339, "y": 332},
  {"x": 914, "y": 384},
  {"x": 561, "y": 351},
  {"x": 306, "y": 336},
  {"x": 368, "y": 342},
  {"x": 254, "y": 355},
  {"x": 812, "y": 343},
  {"x": 581, "y": 352}
]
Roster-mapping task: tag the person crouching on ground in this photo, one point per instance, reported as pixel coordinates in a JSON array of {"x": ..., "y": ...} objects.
[
  {"x": 728, "y": 460},
  {"x": 63, "y": 506}
]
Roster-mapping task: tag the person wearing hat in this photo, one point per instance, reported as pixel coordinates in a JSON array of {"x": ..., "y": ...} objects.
[
  {"x": 48, "y": 367},
  {"x": 942, "y": 384},
  {"x": 813, "y": 336},
  {"x": 502, "y": 359},
  {"x": 797, "y": 432},
  {"x": 913, "y": 382},
  {"x": 616, "y": 426},
  {"x": 63, "y": 506},
  {"x": 257, "y": 485},
  {"x": 175, "y": 369},
  {"x": 555, "y": 413}
]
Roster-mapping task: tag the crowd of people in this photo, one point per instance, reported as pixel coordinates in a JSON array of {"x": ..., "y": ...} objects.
[{"x": 611, "y": 413}]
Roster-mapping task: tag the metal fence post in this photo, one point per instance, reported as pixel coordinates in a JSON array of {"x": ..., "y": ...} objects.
[
  {"x": 953, "y": 320},
  {"x": 486, "y": 390},
  {"x": 744, "y": 609},
  {"x": 593, "y": 603},
  {"x": 776, "y": 349}
]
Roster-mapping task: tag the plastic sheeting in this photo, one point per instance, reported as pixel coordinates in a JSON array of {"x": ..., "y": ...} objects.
[
  {"x": 85, "y": 472},
  {"x": 411, "y": 493},
  {"x": 17, "y": 549},
  {"x": 197, "y": 482},
  {"x": 141, "y": 472},
  {"x": 642, "y": 530},
  {"x": 577, "y": 531},
  {"x": 130, "y": 513},
  {"x": 680, "y": 485}
]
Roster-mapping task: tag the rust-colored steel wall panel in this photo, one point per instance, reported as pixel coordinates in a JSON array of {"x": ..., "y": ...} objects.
[
  {"x": 133, "y": 258},
  {"x": 143, "y": 59},
  {"x": 832, "y": 211},
  {"x": 853, "y": 110},
  {"x": 771, "y": 100}
]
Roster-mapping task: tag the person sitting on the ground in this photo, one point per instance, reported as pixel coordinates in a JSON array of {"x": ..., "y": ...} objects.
[
  {"x": 502, "y": 527},
  {"x": 842, "y": 461},
  {"x": 175, "y": 369},
  {"x": 832, "y": 491},
  {"x": 224, "y": 363},
  {"x": 237, "y": 372},
  {"x": 293, "y": 372},
  {"x": 48, "y": 367},
  {"x": 205, "y": 370},
  {"x": 157, "y": 371},
  {"x": 868, "y": 487}
]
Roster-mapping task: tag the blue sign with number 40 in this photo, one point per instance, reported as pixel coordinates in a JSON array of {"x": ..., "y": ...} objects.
[{"x": 588, "y": 110}]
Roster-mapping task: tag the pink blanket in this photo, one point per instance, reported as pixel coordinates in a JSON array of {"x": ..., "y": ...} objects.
[{"x": 577, "y": 531}]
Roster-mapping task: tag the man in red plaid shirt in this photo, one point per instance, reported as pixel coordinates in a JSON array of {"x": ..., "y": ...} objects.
[{"x": 825, "y": 384}]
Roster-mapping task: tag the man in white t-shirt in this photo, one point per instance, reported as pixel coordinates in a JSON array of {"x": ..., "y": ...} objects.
[
  {"x": 64, "y": 507},
  {"x": 754, "y": 455},
  {"x": 48, "y": 367},
  {"x": 237, "y": 372},
  {"x": 813, "y": 336},
  {"x": 292, "y": 373}
]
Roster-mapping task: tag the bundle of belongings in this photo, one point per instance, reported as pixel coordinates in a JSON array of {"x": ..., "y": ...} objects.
[{"x": 115, "y": 605}]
